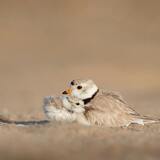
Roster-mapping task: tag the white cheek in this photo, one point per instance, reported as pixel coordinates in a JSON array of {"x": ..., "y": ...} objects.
[
  {"x": 92, "y": 90},
  {"x": 79, "y": 94},
  {"x": 76, "y": 93},
  {"x": 66, "y": 104},
  {"x": 83, "y": 95},
  {"x": 78, "y": 110}
]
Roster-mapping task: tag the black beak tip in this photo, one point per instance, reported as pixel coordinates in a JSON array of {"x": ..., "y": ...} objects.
[{"x": 64, "y": 92}]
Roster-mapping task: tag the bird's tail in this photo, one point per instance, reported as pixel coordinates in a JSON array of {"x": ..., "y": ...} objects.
[{"x": 146, "y": 120}]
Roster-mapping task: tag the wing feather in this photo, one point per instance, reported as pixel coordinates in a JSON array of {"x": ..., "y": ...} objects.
[{"x": 109, "y": 108}]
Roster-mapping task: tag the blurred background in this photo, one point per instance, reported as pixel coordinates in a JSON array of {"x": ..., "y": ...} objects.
[{"x": 44, "y": 44}]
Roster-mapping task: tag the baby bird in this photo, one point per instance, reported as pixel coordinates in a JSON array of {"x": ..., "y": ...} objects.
[
  {"x": 65, "y": 109},
  {"x": 54, "y": 109}
]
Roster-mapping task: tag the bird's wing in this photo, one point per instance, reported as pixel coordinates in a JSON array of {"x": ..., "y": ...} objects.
[
  {"x": 115, "y": 101},
  {"x": 110, "y": 109},
  {"x": 114, "y": 94}
]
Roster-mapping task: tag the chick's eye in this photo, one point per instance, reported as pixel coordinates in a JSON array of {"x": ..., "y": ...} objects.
[
  {"x": 79, "y": 87},
  {"x": 77, "y": 104}
]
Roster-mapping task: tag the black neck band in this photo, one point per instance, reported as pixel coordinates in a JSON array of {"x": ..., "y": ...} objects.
[{"x": 87, "y": 100}]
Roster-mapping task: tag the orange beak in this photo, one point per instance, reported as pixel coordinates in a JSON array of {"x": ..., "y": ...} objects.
[{"x": 68, "y": 91}]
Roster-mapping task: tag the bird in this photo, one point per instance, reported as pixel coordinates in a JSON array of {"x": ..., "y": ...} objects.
[
  {"x": 59, "y": 109},
  {"x": 64, "y": 109},
  {"x": 54, "y": 110},
  {"x": 105, "y": 108}
]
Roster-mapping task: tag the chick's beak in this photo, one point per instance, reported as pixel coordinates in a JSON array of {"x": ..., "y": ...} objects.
[{"x": 68, "y": 91}]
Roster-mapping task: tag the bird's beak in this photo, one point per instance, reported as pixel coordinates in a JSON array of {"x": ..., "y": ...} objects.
[{"x": 68, "y": 91}]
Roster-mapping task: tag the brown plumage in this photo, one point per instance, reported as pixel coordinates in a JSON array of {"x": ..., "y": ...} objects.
[
  {"x": 106, "y": 108},
  {"x": 109, "y": 109}
]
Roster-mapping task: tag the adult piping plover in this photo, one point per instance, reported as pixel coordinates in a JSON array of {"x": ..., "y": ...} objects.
[
  {"x": 65, "y": 109},
  {"x": 105, "y": 108}
]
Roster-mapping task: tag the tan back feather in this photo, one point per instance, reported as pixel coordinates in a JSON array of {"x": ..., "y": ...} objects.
[{"x": 109, "y": 109}]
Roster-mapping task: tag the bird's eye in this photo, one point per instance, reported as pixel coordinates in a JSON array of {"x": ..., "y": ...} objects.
[
  {"x": 79, "y": 87},
  {"x": 72, "y": 83},
  {"x": 77, "y": 104}
]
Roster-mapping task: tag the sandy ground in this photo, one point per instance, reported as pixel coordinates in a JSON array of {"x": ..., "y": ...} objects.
[{"x": 45, "y": 44}]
